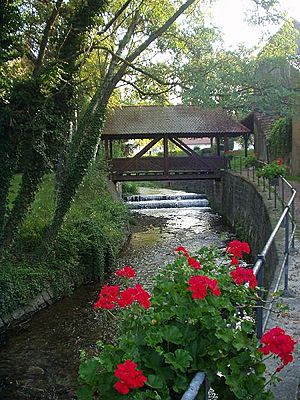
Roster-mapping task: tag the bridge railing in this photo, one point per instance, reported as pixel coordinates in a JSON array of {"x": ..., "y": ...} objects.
[
  {"x": 159, "y": 164},
  {"x": 284, "y": 193}
]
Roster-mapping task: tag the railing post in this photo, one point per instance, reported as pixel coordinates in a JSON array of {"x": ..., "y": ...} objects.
[
  {"x": 206, "y": 388},
  {"x": 286, "y": 253},
  {"x": 293, "y": 222},
  {"x": 275, "y": 196},
  {"x": 282, "y": 194},
  {"x": 269, "y": 187}
]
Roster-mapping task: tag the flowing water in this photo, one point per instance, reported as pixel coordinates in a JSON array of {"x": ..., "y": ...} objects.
[{"x": 40, "y": 359}]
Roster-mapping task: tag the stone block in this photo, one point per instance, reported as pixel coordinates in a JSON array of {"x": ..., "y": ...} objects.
[{"x": 19, "y": 313}]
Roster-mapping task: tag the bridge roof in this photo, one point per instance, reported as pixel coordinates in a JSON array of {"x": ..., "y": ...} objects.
[{"x": 131, "y": 122}]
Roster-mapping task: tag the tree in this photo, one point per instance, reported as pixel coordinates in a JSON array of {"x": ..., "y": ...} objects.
[
  {"x": 241, "y": 81},
  {"x": 122, "y": 57},
  {"x": 39, "y": 105}
]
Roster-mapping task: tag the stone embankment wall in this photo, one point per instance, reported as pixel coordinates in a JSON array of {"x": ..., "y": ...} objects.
[{"x": 240, "y": 204}]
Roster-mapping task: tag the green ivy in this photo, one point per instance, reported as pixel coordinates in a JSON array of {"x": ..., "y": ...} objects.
[{"x": 281, "y": 138}]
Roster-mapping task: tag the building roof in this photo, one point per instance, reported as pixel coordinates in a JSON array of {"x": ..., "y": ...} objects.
[
  {"x": 196, "y": 141},
  {"x": 180, "y": 121}
]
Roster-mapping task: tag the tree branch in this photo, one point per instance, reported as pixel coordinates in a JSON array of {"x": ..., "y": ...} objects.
[
  {"x": 138, "y": 69},
  {"x": 45, "y": 38},
  {"x": 120, "y": 73},
  {"x": 143, "y": 93},
  {"x": 116, "y": 16}
]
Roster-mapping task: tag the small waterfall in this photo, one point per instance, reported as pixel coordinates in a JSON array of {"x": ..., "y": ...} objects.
[
  {"x": 165, "y": 197},
  {"x": 167, "y": 201}
]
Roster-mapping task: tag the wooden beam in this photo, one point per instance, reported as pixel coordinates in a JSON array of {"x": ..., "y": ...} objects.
[
  {"x": 166, "y": 156},
  {"x": 179, "y": 143},
  {"x": 110, "y": 153},
  {"x": 192, "y": 152},
  {"x": 147, "y": 147},
  {"x": 218, "y": 146},
  {"x": 226, "y": 144},
  {"x": 106, "y": 149},
  {"x": 246, "y": 138}
]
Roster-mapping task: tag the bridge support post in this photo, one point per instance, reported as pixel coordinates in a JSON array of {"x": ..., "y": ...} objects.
[
  {"x": 218, "y": 146},
  {"x": 166, "y": 156}
]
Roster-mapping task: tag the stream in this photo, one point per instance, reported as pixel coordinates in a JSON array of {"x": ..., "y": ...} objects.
[{"x": 41, "y": 357}]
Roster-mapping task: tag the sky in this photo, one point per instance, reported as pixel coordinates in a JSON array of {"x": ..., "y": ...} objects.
[{"x": 229, "y": 16}]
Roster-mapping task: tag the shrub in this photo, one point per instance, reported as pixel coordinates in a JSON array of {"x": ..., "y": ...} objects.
[
  {"x": 129, "y": 188},
  {"x": 201, "y": 319},
  {"x": 250, "y": 161},
  {"x": 272, "y": 170}
]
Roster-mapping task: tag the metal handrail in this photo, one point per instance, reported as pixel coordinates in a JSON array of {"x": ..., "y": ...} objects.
[
  {"x": 258, "y": 269},
  {"x": 286, "y": 218}
]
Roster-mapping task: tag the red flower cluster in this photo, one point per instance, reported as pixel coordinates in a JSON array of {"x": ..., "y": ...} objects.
[
  {"x": 279, "y": 161},
  {"x": 191, "y": 261},
  {"x": 236, "y": 249},
  {"x": 108, "y": 297},
  {"x": 182, "y": 250},
  {"x": 243, "y": 275},
  {"x": 128, "y": 272},
  {"x": 276, "y": 341},
  {"x": 111, "y": 296},
  {"x": 198, "y": 286},
  {"x": 130, "y": 377}
]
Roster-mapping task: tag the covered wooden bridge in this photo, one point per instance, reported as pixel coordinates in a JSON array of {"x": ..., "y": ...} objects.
[{"x": 169, "y": 124}]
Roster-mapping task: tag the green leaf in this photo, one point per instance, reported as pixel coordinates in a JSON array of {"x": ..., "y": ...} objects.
[
  {"x": 85, "y": 393},
  {"x": 172, "y": 334},
  {"x": 154, "y": 381},
  {"x": 88, "y": 369},
  {"x": 181, "y": 360}
]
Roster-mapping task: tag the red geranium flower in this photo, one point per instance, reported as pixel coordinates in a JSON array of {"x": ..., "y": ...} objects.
[
  {"x": 234, "y": 261},
  {"x": 279, "y": 161},
  {"x": 194, "y": 263},
  {"x": 142, "y": 297},
  {"x": 108, "y": 297},
  {"x": 128, "y": 272},
  {"x": 198, "y": 286},
  {"x": 276, "y": 341},
  {"x": 128, "y": 296},
  {"x": 242, "y": 275},
  {"x": 237, "y": 248},
  {"x": 130, "y": 377},
  {"x": 182, "y": 250}
]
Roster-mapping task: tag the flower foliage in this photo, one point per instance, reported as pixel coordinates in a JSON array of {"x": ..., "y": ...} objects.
[
  {"x": 272, "y": 170},
  {"x": 200, "y": 319}
]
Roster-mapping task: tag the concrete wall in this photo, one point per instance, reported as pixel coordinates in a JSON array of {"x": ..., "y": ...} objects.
[{"x": 238, "y": 201}]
